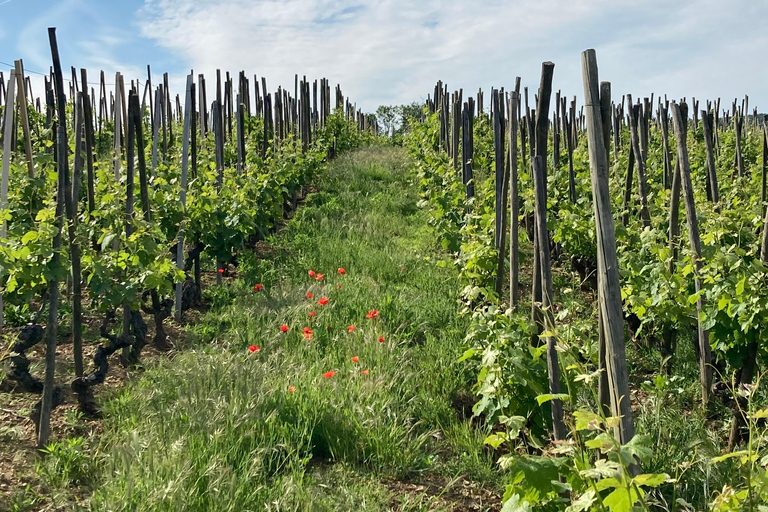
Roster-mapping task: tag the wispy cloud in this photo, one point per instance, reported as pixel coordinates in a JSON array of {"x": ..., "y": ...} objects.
[{"x": 394, "y": 51}]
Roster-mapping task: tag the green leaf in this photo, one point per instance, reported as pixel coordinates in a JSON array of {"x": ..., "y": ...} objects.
[
  {"x": 586, "y": 420},
  {"x": 605, "y": 469},
  {"x": 727, "y": 456},
  {"x": 639, "y": 446},
  {"x": 469, "y": 353},
  {"x": 551, "y": 396},
  {"x": 30, "y": 236},
  {"x": 495, "y": 440},
  {"x": 107, "y": 240},
  {"x": 513, "y": 504},
  {"x": 651, "y": 480},
  {"x": 514, "y": 425},
  {"x": 608, "y": 483},
  {"x": 622, "y": 499},
  {"x": 583, "y": 503}
]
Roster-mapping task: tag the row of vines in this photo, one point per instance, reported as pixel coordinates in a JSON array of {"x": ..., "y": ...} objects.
[
  {"x": 120, "y": 214},
  {"x": 698, "y": 309}
]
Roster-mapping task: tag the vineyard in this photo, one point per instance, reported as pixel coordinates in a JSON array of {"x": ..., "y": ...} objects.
[{"x": 266, "y": 302}]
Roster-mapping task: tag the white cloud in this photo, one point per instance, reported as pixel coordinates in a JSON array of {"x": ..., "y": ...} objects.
[{"x": 393, "y": 51}]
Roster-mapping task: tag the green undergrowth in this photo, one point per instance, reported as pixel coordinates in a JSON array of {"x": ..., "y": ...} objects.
[{"x": 220, "y": 427}]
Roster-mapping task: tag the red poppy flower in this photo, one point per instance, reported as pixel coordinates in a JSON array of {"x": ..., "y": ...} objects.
[
  {"x": 365, "y": 372},
  {"x": 309, "y": 295},
  {"x": 342, "y": 271},
  {"x": 307, "y": 330},
  {"x": 355, "y": 359},
  {"x": 319, "y": 277},
  {"x": 381, "y": 339},
  {"x": 221, "y": 271},
  {"x": 329, "y": 374},
  {"x": 312, "y": 313},
  {"x": 308, "y": 335},
  {"x": 351, "y": 328},
  {"x": 258, "y": 287},
  {"x": 372, "y": 314},
  {"x": 292, "y": 389},
  {"x": 284, "y": 328},
  {"x": 253, "y": 348},
  {"x": 311, "y": 273},
  {"x": 323, "y": 301}
]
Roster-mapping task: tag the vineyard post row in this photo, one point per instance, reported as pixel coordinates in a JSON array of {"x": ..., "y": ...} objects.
[
  {"x": 296, "y": 116},
  {"x": 602, "y": 121}
]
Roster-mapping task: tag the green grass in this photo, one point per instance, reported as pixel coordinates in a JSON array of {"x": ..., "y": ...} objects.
[{"x": 217, "y": 427}]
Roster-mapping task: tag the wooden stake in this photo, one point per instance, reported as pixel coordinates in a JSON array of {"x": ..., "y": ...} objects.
[
  {"x": 705, "y": 351},
  {"x": 609, "y": 285},
  {"x": 183, "y": 192}
]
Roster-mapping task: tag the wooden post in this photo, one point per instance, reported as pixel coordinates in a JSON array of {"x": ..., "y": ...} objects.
[
  {"x": 128, "y": 356},
  {"x": 514, "y": 223},
  {"x": 674, "y": 202},
  {"x": 501, "y": 186},
  {"x": 10, "y": 109},
  {"x": 158, "y": 116},
  {"x": 634, "y": 115},
  {"x": 72, "y": 201},
  {"x": 53, "y": 284},
  {"x": 765, "y": 165},
  {"x": 553, "y": 367},
  {"x": 609, "y": 286},
  {"x": 183, "y": 193},
  {"x": 466, "y": 154},
  {"x": 706, "y": 121},
  {"x": 88, "y": 144},
  {"x": 218, "y": 132},
  {"x": 705, "y": 353},
  {"x": 24, "y": 118},
  {"x": 738, "y": 122},
  {"x": 539, "y": 131},
  {"x": 118, "y": 127}
]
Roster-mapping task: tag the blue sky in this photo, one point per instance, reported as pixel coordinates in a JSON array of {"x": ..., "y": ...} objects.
[{"x": 393, "y": 51}]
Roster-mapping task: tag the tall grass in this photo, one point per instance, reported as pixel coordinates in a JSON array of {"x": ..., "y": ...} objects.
[{"x": 220, "y": 428}]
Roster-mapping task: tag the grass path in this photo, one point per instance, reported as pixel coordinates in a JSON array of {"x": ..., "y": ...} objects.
[{"x": 221, "y": 428}]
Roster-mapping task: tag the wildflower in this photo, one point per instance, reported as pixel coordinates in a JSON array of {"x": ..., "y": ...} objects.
[
  {"x": 342, "y": 271},
  {"x": 221, "y": 271},
  {"x": 355, "y": 359},
  {"x": 309, "y": 295},
  {"x": 351, "y": 328},
  {"x": 372, "y": 314},
  {"x": 253, "y": 348},
  {"x": 381, "y": 339},
  {"x": 319, "y": 277},
  {"x": 329, "y": 374},
  {"x": 308, "y": 333},
  {"x": 284, "y": 328},
  {"x": 311, "y": 273},
  {"x": 292, "y": 389},
  {"x": 365, "y": 372},
  {"x": 338, "y": 287},
  {"x": 258, "y": 287},
  {"x": 323, "y": 301},
  {"x": 312, "y": 313}
]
